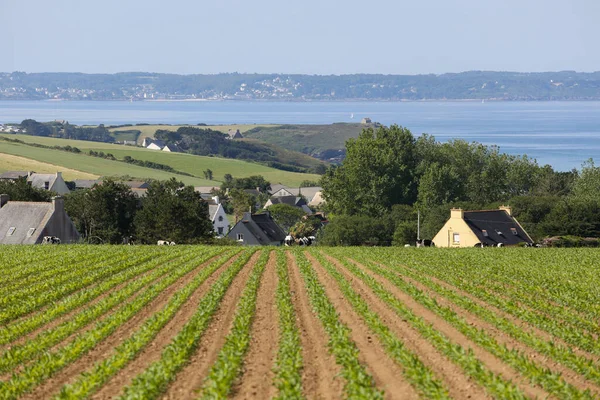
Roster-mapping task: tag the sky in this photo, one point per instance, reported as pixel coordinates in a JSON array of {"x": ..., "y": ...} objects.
[{"x": 310, "y": 36}]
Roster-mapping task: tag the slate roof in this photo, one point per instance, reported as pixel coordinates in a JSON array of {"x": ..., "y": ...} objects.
[
  {"x": 85, "y": 183},
  {"x": 212, "y": 211},
  {"x": 23, "y": 216},
  {"x": 289, "y": 200},
  {"x": 263, "y": 228},
  {"x": 14, "y": 174},
  {"x": 39, "y": 180},
  {"x": 496, "y": 226}
]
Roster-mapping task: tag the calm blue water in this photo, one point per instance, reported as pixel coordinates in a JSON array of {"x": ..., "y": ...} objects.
[{"x": 562, "y": 134}]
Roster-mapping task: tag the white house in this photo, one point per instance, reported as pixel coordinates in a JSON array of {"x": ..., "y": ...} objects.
[{"x": 219, "y": 219}]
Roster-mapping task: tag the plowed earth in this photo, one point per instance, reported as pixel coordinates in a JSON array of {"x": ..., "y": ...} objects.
[{"x": 319, "y": 374}]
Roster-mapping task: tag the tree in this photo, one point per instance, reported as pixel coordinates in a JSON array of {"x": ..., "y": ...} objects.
[
  {"x": 285, "y": 215},
  {"x": 241, "y": 202},
  {"x": 208, "y": 174},
  {"x": 20, "y": 190},
  {"x": 438, "y": 185},
  {"x": 106, "y": 211},
  {"x": 308, "y": 183},
  {"x": 587, "y": 185},
  {"x": 357, "y": 230},
  {"x": 175, "y": 212},
  {"x": 377, "y": 173}
]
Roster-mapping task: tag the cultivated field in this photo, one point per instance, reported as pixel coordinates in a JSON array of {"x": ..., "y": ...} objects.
[
  {"x": 191, "y": 164},
  {"x": 150, "y": 130},
  {"x": 188, "y": 322}
]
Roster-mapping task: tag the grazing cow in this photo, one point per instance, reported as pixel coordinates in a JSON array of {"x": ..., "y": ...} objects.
[
  {"x": 425, "y": 243},
  {"x": 165, "y": 243},
  {"x": 50, "y": 240},
  {"x": 289, "y": 240}
]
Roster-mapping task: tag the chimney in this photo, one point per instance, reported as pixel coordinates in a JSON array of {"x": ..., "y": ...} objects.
[
  {"x": 457, "y": 213},
  {"x": 3, "y": 199},
  {"x": 507, "y": 209},
  {"x": 58, "y": 203}
]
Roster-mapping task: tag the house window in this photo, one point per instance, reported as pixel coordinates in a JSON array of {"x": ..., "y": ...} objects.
[
  {"x": 484, "y": 233},
  {"x": 456, "y": 237},
  {"x": 514, "y": 231},
  {"x": 30, "y": 232},
  {"x": 240, "y": 237},
  {"x": 220, "y": 230},
  {"x": 46, "y": 185},
  {"x": 220, "y": 218},
  {"x": 11, "y": 230}
]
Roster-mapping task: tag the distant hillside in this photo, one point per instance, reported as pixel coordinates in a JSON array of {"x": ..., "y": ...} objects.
[
  {"x": 82, "y": 164},
  {"x": 326, "y": 142},
  {"x": 564, "y": 85}
]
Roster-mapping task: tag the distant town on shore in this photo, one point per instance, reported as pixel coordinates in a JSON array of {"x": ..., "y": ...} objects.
[{"x": 139, "y": 86}]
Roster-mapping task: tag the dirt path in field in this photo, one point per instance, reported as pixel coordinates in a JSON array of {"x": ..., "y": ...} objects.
[
  {"x": 524, "y": 325},
  {"x": 459, "y": 385},
  {"x": 503, "y": 338},
  {"x": 386, "y": 373},
  {"x": 104, "y": 348},
  {"x": 492, "y": 362},
  {"x": 191, "y": 377},
  {"x": 65, "y": 317},
  {"x": 320, "y": 376},
  {"x": 153, "y": 351},
  {"x": 257, "y": 378}
]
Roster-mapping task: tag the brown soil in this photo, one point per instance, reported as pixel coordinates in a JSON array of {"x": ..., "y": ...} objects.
[
  {"x": 458, "y": 384},
  {"x": 104, "y": 348},
  {"x": 493, "y": 363},
  {"x": 386, "y": 373},
  {"x": 191, "y": 377},
  {"x": 320, "y": 376},
  {"x": 525, "y": 326},
  {"x": 257, "y": 378},
  {"x": 153, "y": 351},
  {"x": 503, "y": 338}
]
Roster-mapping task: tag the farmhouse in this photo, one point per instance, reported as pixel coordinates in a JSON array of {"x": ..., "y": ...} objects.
[
  {"x": 308, "y": 192},
  {"x": 257, "y": 230},
  {"x": 234, "y": 134},
  {"x": 52, "y": 182},
  {"x": 481, "y": 228},
  {"x": 23, "y": 222}
]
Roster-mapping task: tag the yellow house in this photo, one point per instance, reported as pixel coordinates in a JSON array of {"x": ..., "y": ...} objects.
[{"x": 481, "y": 228}]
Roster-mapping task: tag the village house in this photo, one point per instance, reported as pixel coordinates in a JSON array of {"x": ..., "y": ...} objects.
[
  {"x": 257, "y": 230},
  {"x": 234, "y": 134},
  {"x": 52, "y": 182},
  {"x": 14, "y": 175},
  {"x": 24, "y": 222},
  {"x": 307, "y": 192},
  {"x": 293, "y": 201},
  {"x": 218, "y": 217},
  {"x": 481, "y": 228}
]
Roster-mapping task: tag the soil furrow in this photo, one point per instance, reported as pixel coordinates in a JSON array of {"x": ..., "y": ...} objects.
[
  {"x": 459, "y": 385},
  {"x": 190, "y": 378},
  {"x": 153, "y": 351},
  {"x": 104, "y": 348},
  {"x": 492, "y": 362},
  {"x": 65, "y": 317},
  {"x": 386, "y": 373},
  {"x": 320, "y": 376},
  {"x": 257, "y": 378},
  {"x": 503, "y": 338},
  {"x": 526, "y": 326}
]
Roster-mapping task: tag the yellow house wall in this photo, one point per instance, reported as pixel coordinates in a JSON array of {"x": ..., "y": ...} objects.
[{"x": 455, "y": 225}]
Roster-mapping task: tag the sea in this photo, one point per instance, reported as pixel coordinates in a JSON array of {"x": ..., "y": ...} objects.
[{"x": 562, "y": 134}]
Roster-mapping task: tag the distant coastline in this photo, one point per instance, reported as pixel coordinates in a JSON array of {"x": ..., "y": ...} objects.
[{"x": 143, "y": 86}]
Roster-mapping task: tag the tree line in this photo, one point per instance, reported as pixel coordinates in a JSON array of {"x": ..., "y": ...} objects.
[{"x": 389, "y": 176}]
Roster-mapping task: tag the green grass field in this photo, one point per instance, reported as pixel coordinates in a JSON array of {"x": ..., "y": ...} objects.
[{"x": 191, "y": 164}]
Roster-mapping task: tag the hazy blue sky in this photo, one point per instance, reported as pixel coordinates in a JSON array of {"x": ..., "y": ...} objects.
[{"x": 308, "y": 36}]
